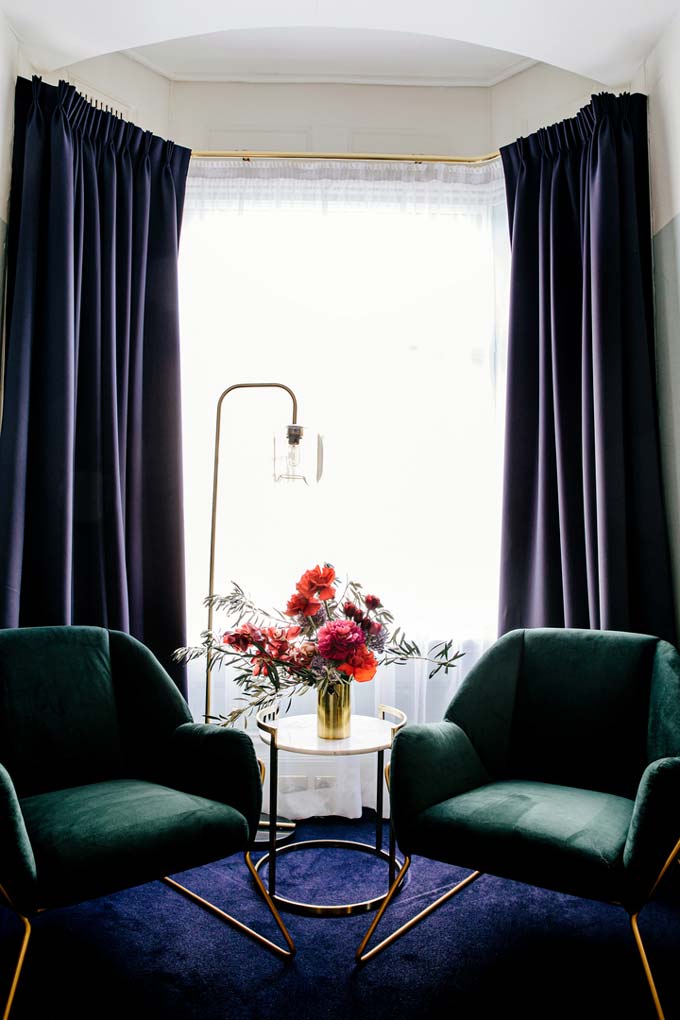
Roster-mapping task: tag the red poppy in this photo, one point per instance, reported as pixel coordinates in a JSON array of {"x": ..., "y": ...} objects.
[
  {"x": 235, "y": 640},
  {"x": 243, "y": 637},
  {"x": 361, "y": 664},
  {"x": 302, "y": 605},
  {"x": 259, "y": 664},
  {"x": 318, "y": 581}
]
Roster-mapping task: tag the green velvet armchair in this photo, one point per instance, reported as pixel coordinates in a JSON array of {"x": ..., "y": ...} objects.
[
  {"x": 557, "y": 764},
  {"x": 105, "y": 781}
]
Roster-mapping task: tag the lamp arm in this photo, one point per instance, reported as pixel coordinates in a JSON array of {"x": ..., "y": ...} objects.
[{"x": 213, "y": 516}]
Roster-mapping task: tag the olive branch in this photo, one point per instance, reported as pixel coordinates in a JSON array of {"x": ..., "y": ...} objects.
[{"x": 281, "y": 679}]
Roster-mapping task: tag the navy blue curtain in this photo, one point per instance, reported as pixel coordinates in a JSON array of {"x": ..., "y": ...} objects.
[
  {"x": 584, "y": 540},
  {"x": 91, "y": 520}
]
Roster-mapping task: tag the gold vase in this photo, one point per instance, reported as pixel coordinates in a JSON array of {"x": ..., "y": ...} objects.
[{"x": 333, "y": 712}]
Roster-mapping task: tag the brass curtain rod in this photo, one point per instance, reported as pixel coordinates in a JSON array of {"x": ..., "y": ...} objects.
[{"x": 378, "y": 156}]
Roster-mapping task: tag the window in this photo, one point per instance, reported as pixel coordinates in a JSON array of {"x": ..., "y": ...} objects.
[{"x": 373, "y": 291}]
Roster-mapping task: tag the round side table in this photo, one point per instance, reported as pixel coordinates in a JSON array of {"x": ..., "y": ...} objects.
[{"x": 298, "y": 734}]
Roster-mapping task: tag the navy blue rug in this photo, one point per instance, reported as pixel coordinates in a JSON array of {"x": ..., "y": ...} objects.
[{"x": 497, "y": 948}]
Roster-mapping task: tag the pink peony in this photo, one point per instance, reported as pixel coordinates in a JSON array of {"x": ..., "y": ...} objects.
[{"x": 337, "y": 639}]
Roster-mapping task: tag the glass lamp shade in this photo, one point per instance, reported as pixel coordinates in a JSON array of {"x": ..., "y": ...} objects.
[{"x": 298, "y": 456}]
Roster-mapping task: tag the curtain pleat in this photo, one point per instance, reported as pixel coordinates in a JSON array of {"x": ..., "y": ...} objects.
[
  {"x": 584, "y": 531},
  {"x": 91, "y": 521}
]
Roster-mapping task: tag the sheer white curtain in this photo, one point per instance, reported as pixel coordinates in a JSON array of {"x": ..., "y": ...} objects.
[{"x": 378, "y": 292}]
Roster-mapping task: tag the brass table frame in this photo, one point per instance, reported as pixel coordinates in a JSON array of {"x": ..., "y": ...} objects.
[{"x": 274, "y": 851}]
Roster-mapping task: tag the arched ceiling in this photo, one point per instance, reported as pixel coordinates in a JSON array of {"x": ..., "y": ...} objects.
[
  {"x": 366, "y": 56},
  {"x": 602, "y": 39}
]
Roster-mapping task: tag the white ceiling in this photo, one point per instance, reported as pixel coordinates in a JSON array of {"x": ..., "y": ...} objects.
[
  {"x": 602, "y": 39},
  {"x": 364, "y": 56}
]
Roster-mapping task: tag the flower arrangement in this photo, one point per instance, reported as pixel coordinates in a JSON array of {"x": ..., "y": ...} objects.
[{"x": 322, "y": 640}]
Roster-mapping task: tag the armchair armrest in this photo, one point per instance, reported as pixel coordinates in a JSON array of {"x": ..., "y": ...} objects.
[
  {"x": 430, "y": 763},
  {"x": 216, "y": 763},
  {"x": 654, "y": 828},
  {"x": 17, "y": 868}
]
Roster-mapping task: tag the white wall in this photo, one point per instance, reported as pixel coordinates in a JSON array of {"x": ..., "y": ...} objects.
[
  {"x": 331, "y": 118},
  {"x": 371, "y": 118},
  {"x": 12, "y": 63},
  {"x": 9, "y": 68},
  {"x": 138, "y": 93},
  {"x": 659, "y": 77},
  {"x": 334, "y": 118},
  {"x": 535, "y": 98}
]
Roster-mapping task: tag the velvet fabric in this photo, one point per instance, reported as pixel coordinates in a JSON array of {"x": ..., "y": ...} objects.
[
  {"x": 104, "y": 780},
  {"x": 16, "y": 853},
  {"x": 96, "y": 839},
  {"x": 497, "y": 950},
  {"x": 654, "y": 829},
  {"x": 57, "y": 708},
  {"x": 91, "y": 520},
  {"x": 664, "y": 704},
  {"x": 430, "y": 750},
  {"x": 219, "y": 764},
  {"x": 558, "y": 764},
  {"x": 584, "y": 533},
  {"x": 484, "y": 706},
  {"x": 579, "y": 702},
  {"x": 148, "y": 711},
  {"x": 557, "y": 837}
]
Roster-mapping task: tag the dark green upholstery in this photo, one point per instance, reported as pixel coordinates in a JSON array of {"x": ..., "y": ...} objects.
[
  {"x": 105, "y": 782},
  {"x": 557, "y": 837},
  {"x": 557, "y": 764},
  {"x": 57, "y": 706},
  {"x": 92, "y": 840}
]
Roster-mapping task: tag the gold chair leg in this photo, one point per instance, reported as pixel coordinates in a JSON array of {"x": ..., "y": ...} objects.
[
  {"x": 279, "y": 950},
  {"x": 20, "y": 963},
  {"x": 645, "y": 964},
  {"x": 362, "y": 957}
]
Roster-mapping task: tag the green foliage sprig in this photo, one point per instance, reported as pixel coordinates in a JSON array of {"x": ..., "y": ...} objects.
[{"x": 276, "y": 658}]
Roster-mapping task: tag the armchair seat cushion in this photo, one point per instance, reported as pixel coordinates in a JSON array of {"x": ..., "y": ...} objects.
[
  {"x": 558, "y": 837},
  {"x": 96, "y": 839}
]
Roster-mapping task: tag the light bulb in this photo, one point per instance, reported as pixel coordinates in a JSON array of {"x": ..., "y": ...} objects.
[
  {"x": 290, "y": 459},
  {"x": 293, "y": 455}
]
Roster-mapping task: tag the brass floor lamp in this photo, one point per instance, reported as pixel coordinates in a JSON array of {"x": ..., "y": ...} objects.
[{"x": 294, "y": 433}]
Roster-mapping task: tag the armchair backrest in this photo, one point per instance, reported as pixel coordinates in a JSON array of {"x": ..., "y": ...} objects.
[
  {"x": 58, "y": 718},
  {"x": 581, "y": 709},
  {"x": 80, "y": 705},
  {"x": 573, "y": 707}
]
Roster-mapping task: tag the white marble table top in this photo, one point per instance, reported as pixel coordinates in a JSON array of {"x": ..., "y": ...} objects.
[{"x": 298, "y": 733}]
